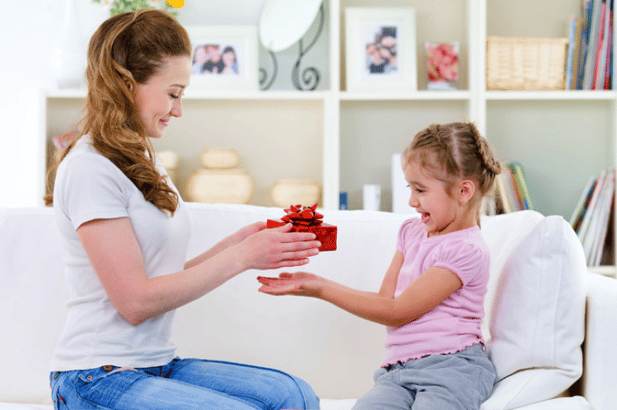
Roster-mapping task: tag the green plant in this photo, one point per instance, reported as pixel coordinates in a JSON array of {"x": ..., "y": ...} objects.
[{"x": 120, "y": 6}]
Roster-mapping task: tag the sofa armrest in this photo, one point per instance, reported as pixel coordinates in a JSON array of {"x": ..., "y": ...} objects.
[{"x": 600, "y": 362}]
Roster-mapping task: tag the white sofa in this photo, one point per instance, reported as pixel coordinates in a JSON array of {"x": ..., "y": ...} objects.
[{"x": 542, "y": 303}]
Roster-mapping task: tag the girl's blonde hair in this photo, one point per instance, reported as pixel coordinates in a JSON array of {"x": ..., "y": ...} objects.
[
  {"x": 455, "y": 151},
  {"x": 128, "y": 49}
]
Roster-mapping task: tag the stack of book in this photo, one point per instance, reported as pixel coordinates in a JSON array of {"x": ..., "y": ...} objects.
[
  {"x": 590, "y": 57},
  {"x": 512, "y": 193},
  {"x": 592, "y": 218}
]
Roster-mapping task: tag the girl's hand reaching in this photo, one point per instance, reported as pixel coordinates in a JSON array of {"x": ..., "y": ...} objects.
[{"x": 300, "y": 283}]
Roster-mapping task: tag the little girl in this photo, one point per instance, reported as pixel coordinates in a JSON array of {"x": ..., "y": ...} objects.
[{"x": 431, "y": 298}]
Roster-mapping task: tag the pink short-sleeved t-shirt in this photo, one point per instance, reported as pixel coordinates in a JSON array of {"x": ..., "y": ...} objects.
[{"x": 456, "y": 323}]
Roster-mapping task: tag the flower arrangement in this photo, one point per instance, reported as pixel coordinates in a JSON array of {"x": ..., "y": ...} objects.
[
  {"x": 121, "y": 6},
  {"x": 441, "y": 65}
]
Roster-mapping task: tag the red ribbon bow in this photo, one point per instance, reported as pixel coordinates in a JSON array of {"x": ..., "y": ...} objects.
[{"x": 300, "y": 215}]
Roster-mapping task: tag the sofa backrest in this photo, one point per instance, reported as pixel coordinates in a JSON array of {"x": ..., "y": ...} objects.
[
  {"x": 535, "y": 269},
  {"x": 535, "y": 307},
  {"x": 32, "y": 297}
]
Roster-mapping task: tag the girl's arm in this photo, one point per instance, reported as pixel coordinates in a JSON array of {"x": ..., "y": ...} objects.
[
  {"x": 116, "y": 257},
  {"x": 420, "y": 297}
]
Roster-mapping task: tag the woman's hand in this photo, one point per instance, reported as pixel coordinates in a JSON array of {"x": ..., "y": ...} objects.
[
  {"x": 300, "y": 283},
  {"x": 276, "y": 248},
  {"x": 247, "y": 231}
]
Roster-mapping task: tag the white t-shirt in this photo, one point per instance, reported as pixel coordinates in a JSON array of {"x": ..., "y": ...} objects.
[{"x": 88, "y": 186}]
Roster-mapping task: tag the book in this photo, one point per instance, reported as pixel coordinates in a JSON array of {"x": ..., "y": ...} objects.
[
  {"x": 608, "y": 72},
  {"x": 570, "y": 55},
  {"x": 587, "y": 8},
  {"x": 513, "y": 191},
  {"x": 598, "y": 80},
  {"x": 604, "y": 216},
  {"x": 593, "y": 219},
  {"x": 575, "y": 57},
  {"x": 520, "y": 178},
  {"x": 589, "y": 214},
  {"x": 592, "y": 45},
  {"x": 582, "y": 204},
  {"x": 502, "y": 194}
]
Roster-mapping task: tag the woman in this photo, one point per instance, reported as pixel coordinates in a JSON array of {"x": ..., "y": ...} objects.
[{"x": 125, "y": 233}]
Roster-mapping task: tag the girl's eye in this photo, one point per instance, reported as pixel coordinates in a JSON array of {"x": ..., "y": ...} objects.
[{"x": 174, "y": 96}]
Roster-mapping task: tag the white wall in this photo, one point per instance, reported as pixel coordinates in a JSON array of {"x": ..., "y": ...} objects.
[
  {"x": 21, "y": 31},
  {"x": 27, "y": 32}
]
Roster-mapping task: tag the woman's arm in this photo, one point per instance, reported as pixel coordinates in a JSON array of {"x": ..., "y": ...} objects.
[
  {"x": 420, "y": 297},
  {"x": 116, "y": 257},
  {"x": 232, "y": 239}
]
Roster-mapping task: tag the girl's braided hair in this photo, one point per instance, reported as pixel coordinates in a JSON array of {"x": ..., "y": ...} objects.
[{"x": 455, "y": 151}]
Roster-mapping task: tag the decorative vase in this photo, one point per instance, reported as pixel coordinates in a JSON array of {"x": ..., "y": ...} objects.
[{"x": 68, "y": 56}]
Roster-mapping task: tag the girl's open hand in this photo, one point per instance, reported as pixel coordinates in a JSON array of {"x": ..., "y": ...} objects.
[
  {"x": 276, "y": 248},
  {"x": 300, "y": 283}
]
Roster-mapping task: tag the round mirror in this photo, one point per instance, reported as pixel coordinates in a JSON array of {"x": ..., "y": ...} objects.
[{"x": 284, "y": 22}]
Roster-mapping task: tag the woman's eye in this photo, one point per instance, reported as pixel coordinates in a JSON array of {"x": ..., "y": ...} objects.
[{"x": 174, "y": 96}]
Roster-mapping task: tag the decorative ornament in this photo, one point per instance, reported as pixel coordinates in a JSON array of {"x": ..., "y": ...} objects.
[
  {"x": 69, "y": 51},
  {"x": 299, "y": 215}
]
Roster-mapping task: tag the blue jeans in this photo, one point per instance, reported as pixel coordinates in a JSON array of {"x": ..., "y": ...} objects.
[{"x": 182, "y": 384}]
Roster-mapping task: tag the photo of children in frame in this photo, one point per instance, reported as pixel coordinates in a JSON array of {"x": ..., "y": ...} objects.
[
  {"x": 217, "y": 57},
  {"x": 380, "y": 42}
]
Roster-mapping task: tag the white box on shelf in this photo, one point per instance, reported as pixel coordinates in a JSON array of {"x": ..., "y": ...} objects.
[{"x": 400, "y": 190}]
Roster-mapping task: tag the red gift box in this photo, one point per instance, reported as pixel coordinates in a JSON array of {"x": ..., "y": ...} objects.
[{"x": 306, "y": 219}]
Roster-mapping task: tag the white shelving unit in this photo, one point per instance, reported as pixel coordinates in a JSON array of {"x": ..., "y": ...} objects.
[{"x": 345, "y": 139}]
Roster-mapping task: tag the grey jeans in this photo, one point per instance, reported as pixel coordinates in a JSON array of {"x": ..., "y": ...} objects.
[{"x": 457, "y": 381}]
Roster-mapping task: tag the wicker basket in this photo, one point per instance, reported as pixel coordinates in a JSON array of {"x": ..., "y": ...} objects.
[{"x": 525, "y": 63}]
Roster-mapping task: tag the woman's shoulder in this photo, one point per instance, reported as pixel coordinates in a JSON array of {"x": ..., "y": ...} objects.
[
  {"x": 84, "y": 161},
  {"x": 84, "y": 155}
]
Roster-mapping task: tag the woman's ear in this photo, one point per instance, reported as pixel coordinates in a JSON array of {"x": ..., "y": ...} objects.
[{"x": 466, "y": 191}]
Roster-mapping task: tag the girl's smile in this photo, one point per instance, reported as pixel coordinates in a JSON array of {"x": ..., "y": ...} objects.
[{"x": 440, "y": 211}]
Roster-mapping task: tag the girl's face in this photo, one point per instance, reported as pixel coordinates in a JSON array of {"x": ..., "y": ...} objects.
[
  {"x": 160, "y": 98},
  {"x": 439, "y": 211}
]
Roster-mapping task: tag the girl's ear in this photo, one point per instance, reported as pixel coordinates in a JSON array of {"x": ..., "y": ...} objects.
[{"x": 467, "y": 190}]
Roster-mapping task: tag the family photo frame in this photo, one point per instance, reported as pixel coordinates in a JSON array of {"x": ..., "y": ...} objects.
[
  {"x": 380, "y": 49},
  {"x": 224, "y": 57}
]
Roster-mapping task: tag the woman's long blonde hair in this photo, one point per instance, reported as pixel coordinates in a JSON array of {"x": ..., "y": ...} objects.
[{"x": 127, "y": 49}]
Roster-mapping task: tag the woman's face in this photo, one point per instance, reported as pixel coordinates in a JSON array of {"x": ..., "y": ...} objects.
[{"x": 160, "y": 98}]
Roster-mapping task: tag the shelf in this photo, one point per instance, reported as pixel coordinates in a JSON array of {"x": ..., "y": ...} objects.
[
  {"x": 407, "y": 96},
  {"x": 610, "y": 271},
  {"x": 551, "y": 95},
  {"x": 348, "y": 137},
  {"x": 198, "y": 94}
]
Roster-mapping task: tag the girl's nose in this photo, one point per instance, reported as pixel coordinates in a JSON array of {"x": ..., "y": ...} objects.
[{"x": 413, "y": 202}]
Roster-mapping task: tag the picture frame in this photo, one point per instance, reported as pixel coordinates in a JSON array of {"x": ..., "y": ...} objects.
[
  {"x": 224, "y": 57},
  {"x": 380, "y": 49},
  {"x": 442, "y": 65}
]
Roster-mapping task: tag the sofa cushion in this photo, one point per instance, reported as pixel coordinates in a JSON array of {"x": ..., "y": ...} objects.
[
  {"x": 32, "y": 298},
  {"x": 535, "y": 307},
  {"x": 266, "y": 331}
]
